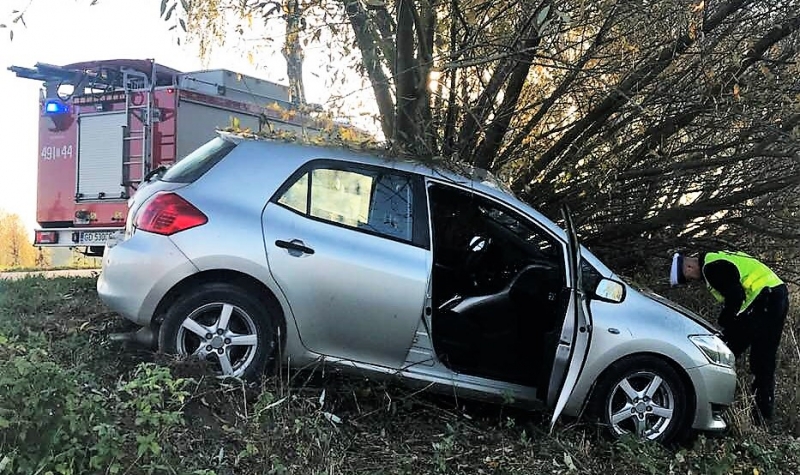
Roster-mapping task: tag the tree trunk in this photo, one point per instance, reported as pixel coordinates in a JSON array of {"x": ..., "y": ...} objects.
[
  {"x": 530, "y": 39},
  {"x": 293, "y": 51},
  {"x": 370, "y": 57}
]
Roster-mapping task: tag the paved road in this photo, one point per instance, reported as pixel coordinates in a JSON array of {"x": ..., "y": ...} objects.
[{"x": 50, "y": 274}]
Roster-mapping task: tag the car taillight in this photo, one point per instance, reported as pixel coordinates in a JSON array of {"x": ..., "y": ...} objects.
[{"x": 167, "y": 214}]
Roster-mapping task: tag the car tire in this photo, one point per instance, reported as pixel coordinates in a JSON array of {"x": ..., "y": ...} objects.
[
  {"x": 239, "y": 329},
  {"x": 643, "y": 393}
]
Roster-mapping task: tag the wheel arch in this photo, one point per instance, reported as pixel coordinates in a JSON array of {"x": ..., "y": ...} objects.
[
  {"x": 239, "y": 279},
  {"x": 685, "y": 379}
]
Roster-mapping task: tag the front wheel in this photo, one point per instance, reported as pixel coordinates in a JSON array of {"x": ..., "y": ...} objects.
[
  {"x": 223, "y": 324},
  {"x": 644, "y": 396}
]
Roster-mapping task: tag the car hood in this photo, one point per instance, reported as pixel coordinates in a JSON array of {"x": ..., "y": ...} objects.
[{"x": 678, "y": 308}]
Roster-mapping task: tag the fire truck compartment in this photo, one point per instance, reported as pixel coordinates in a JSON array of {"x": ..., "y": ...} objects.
[
  {"x": 100, "y": 155},
  {"x": 234, "y": 86},
  {"x": 197, "y": 121}
]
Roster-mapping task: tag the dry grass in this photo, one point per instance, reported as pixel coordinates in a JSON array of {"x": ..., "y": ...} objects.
[{"x": 320, "y": 422}]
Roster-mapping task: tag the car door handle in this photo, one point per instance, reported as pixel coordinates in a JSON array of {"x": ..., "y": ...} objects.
[{"x": 294, "y": 245}]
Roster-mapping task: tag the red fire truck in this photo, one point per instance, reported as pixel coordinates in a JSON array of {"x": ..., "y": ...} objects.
[{"x": 105, "y": 125}]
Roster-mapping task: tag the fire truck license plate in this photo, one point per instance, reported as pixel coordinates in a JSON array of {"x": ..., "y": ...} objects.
[{"x": 97, "y": 238}]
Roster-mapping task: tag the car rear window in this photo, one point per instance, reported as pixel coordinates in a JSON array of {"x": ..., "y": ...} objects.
[{"x": 197, "y": 163}]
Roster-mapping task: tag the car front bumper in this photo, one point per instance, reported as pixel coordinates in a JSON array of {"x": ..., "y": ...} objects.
[
  {"x": 138, "y": 272},
  {"x": 714, "y": 390}
]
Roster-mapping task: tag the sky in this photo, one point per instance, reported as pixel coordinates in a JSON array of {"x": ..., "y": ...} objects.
[{"x": 66, "y": 31}]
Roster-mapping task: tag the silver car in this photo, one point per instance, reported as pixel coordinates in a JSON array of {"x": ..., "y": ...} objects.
[{"x": 252, "y": 252}]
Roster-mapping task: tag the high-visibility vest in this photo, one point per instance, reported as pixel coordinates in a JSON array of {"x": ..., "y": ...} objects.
[{"x": 753, "y": 275}]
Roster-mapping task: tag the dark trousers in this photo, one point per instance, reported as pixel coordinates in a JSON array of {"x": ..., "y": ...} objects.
[{"x": 760, "y": 328}]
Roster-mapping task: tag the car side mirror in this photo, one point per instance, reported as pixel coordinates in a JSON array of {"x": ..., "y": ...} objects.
[{"x": 610, "y": 291}]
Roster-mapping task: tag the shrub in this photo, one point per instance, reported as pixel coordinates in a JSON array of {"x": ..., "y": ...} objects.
[{"x": 53, "y": 420}]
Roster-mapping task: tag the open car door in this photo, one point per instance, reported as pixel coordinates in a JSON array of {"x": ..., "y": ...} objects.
[{"x": 573, "y": 342}]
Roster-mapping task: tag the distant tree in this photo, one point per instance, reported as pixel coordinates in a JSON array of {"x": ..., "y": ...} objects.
[{"x": 16, "y": 249}]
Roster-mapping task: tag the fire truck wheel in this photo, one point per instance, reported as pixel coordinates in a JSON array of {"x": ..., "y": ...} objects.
[{"x": 220, "y": 323}]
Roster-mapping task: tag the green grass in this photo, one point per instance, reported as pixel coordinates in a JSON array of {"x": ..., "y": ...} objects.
[{"x": 71, "y": 402}]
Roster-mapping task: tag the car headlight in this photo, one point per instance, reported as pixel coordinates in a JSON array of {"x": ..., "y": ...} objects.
[{"x": 715, "y": 350}]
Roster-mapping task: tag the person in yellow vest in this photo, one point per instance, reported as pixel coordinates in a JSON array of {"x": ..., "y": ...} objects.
[{"x": 755, "y": 304}]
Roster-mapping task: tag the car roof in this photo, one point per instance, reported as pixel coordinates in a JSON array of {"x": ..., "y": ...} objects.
[{"x": 447, "y": 170}]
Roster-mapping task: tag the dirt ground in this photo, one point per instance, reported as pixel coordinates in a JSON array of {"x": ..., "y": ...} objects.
[{"x": 50, "y": 274}]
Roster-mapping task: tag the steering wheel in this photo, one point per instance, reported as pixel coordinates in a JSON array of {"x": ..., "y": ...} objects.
[{"x": 478, "y": 249}]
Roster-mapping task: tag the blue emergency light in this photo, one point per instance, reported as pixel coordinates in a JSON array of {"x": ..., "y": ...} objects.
[{"x": 55, "y": 106}]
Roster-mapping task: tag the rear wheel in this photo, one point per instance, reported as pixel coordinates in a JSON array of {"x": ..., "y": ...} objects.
[
  {"x": 645, "y": 396},
  {"x": 223, "y": 324}
]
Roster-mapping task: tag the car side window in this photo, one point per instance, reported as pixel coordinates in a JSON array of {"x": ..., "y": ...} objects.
[
  {"x": 296, "y": 197},
  {"x": 480, "y": 246},
  {"x": 537, "y": 243},
  {"x": 379, "y": 202},
  {"x": 591, "y": 276},
  {"x": 341, "y": 196}
]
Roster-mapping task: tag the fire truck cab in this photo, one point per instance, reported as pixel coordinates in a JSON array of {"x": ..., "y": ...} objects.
[{"x": 105, "y": 125}]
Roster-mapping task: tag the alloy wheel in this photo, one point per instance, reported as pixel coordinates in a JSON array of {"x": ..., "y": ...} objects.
[
  {"x": 219, "y": 332},
  {"x": 642, "y": 403}
]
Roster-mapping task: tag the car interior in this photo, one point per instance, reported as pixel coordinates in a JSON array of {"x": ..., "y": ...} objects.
[{"x": 499, "y": 289}]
